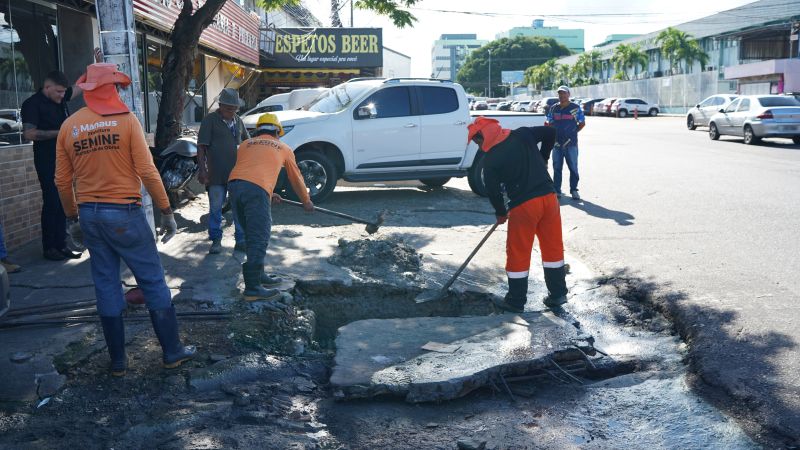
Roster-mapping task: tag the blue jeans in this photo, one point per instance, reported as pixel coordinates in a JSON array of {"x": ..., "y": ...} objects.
[
  {"x": 571, "y": 155},
  {"x": 251, "y": 205},
  {"x": 3, "y": 252},
  {"x": 216, "y": 198},
  {"x": 113, "y": 232}
]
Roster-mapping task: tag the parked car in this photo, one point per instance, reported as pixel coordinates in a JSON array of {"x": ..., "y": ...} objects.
[
  {"x": 480, "y": 105},
  {"x": 545, "y": 104},
  {"x": 504, "y": 106},
  {"x": 533, "y": 106},
  {"x": 754, "y": 117},
  {"x": 522, "y": 106},
  {"x": 588, "y": 105},
  {"x": 603, "y": 108},
  {"x": 624, "y": 107},
  {"x": 378, "y": 129},
  {"x": 702, "y": 112}
]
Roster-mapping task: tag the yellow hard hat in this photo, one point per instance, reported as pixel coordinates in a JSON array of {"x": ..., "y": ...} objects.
[{"x": 270, "y": 122}]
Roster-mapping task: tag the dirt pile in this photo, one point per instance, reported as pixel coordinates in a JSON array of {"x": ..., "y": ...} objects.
[{"x": 388, "y": 260}]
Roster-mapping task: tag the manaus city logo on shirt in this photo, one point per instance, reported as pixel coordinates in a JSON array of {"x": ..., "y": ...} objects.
[{"x": 75, "y": 131}]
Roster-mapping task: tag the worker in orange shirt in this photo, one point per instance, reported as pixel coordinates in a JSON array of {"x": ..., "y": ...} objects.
[
  {"x": 252, "y": 181},
  {"x": 102, "y": 151}
]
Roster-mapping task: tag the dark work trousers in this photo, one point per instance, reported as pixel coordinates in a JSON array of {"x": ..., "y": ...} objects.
[
  {"x": 251, "y": 205},
  {"x": 54, "y": 222}
]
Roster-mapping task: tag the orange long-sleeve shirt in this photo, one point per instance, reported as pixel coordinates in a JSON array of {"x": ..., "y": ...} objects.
[
  {"x": 259, "y": 160},
  {"x": 108, "y": 159}
]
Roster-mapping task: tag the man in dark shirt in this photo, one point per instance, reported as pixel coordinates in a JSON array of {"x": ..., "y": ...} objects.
[
  {"x": 567, "y": 118},
  {"x": 220, "y": 134},
  {"x": 513, "y": 160},
  {"x": 42, "y": 116}
]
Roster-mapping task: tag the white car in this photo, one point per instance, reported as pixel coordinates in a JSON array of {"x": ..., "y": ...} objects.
[
  {"x": 625, "y": 107},
  {"x": 702, "y": 112},
  {"x": 522, "y": 106}
]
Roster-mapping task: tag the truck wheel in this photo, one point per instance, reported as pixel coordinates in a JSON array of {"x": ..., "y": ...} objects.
[
  {"x": 475, "y": 176},
  {"x": 434, "y": 182},
  {"x": 796, "y": 140},
  {"x": 319, "y": 174}
]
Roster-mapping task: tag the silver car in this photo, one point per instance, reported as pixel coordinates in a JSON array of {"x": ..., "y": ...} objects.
[
  {"x": 758, "y": 116},
  {"x": 702, "y": 112}
]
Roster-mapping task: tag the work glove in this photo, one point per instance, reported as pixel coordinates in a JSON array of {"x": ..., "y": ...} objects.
[
  {"x": 501, "y": 219},
  {"x": 75, "y": 232},
  {"x": 168, "y": 227},
  {"x": 308, "y": 206}
]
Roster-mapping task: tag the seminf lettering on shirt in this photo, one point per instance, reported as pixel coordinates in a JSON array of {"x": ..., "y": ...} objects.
[
  {"x": 272, "y": 143},
  {"x": 97, "y": 136}
]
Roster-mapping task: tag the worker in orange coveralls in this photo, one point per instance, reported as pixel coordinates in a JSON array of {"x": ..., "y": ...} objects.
[{"x": 513, "y": 160}]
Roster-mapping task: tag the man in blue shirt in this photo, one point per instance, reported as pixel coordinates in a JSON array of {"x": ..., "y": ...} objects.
[{"x": 567, "y": 118}]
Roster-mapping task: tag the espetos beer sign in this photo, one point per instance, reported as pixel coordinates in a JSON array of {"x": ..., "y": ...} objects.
[{"x": 328, "y": 47}]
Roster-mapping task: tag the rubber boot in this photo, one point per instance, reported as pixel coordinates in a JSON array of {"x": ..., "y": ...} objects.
[
  {"x": 516, "y": 297},
  {"x": 253, "y": 290},
  {"x": 555, "y": 279},
  {"x": 269, "y": 279},
  {"x": 165, "y": 324},
  {"x": 114, "y": 332}
]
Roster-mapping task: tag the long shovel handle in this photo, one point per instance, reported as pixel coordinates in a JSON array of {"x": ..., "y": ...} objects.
[
  {"x": 332, "y": 213},
  {"x": 469, "y": 258}
]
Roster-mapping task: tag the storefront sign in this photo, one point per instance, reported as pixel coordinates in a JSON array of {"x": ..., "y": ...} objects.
[
  {"x": 234, "y": 31},
  {"x": 328, "y": 47}
]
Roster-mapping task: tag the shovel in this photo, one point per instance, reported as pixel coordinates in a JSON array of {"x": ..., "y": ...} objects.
[
  {"x": 372, "y": 227},
  {"x": 442, "y": 293}
]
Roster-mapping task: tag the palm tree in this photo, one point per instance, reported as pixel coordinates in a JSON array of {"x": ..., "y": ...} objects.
[
  {"x": 679, "y": 46},
  {"x": 626, "y": 57},
  {"x": 588, "y": 63}
]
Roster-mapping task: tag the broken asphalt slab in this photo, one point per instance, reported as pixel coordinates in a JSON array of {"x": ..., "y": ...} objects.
[{"x": 386, "y": 357}]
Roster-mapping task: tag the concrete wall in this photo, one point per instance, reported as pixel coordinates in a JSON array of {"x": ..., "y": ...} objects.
[
  {"x": 396, "y": 65},
  {"x": 21, "y": 199},
  {"x": 673, "y": 94}
]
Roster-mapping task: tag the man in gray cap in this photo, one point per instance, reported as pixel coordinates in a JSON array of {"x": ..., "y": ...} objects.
[
  {"x": 221, "y": 132},
  {"x": 567, "y": 118}
]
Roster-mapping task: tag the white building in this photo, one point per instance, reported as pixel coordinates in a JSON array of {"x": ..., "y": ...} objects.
[
  {"x": 449, "y": 53},
  {"x": 395, "y": 64}
]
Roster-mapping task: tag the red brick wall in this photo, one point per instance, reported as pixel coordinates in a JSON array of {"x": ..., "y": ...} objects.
[{"x": 20, "y": 197}]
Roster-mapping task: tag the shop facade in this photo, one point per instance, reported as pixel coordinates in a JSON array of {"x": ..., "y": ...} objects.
[{"x": 38, "y": 36}]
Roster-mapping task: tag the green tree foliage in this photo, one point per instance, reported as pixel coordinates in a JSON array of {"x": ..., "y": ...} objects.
[
  {"x": 628, "y": 56},
  {"x": 586, "y": 68},
  {"x": 518, "y": 53},
  {"x": 679, "y": 46}
]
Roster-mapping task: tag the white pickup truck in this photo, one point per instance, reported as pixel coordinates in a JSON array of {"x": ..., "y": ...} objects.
[{"x": 380, "y": 129}]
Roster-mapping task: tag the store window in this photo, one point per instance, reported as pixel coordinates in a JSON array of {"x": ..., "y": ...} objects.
[
  {"x": 194, "y": 104},
  {"x": 28, "y": 51}
]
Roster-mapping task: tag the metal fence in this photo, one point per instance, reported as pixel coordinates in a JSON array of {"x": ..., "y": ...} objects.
[{"x": 674, "y": 94}]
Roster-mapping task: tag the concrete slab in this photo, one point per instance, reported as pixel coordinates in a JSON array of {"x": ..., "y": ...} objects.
[{"x": 378, "y": 357}]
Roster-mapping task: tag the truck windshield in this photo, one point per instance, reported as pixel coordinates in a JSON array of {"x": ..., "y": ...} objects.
[{"x": 337, "y": 98}]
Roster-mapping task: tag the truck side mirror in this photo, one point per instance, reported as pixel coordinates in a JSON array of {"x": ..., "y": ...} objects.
[
  {"x": 367, "y": 112},
  {"x": 722, "y": 110}
]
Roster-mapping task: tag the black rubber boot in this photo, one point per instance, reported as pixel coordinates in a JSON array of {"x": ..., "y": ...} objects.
[
  {"x": 270, "y": 279},
  {"x": 253, "y": 290},
  {"x": 555, "y": 279},
  {"x": 516, "y": 297},
  {"x": 165, "y": 324},
  {"x": 114, "y": 332}
]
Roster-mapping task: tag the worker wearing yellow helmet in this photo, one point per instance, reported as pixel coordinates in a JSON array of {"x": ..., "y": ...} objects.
[{"x": 252, "y": 182}]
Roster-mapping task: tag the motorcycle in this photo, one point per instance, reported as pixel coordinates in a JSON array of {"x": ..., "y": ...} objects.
[{"x": 178, "y": 166}]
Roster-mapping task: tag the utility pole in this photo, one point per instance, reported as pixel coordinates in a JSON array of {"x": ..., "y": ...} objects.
[{"x": 118, "y": 42}]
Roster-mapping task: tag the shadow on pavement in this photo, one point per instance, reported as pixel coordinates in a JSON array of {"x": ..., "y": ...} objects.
[
  {"x": 738, "y": 371},
  {"x": 595, "y": 210}
]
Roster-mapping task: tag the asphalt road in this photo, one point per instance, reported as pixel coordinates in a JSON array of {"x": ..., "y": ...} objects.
[{"x": 711, "y": 228}]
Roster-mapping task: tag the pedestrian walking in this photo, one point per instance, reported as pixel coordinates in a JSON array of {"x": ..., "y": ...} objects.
[
  {"x": 568, "y": 119},
  {"x": 42, "y": 116},
  {"x": 513, "y": 159},
  {"x": 252, "y": 184},
  {"x": 220, "y": 134},
  {"x": 4, "y": 261},
  {"x": 101, "y": 150}
]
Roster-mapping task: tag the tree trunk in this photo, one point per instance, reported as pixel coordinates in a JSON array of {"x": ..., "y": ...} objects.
[{"x": 177, "y": 67}]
